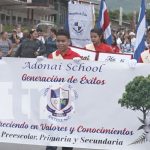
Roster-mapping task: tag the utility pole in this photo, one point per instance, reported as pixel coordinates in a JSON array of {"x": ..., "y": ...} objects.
[{"x": 120, "y": 16}]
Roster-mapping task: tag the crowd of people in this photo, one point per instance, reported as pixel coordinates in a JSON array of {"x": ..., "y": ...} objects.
[
  {"x": 125, "y": 41},
  {"x": 34, "y": 43}
]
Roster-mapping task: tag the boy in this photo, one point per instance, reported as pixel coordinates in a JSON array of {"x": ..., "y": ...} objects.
[{"x": 63, "y": 51}]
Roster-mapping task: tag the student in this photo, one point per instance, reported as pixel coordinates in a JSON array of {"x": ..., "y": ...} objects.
[
  {"x": 145, "y": 57},
  {"x": 63, "y": 51},
  {"x": 98, "y": 43}
]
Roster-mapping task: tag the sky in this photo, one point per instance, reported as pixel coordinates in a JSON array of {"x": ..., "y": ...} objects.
[{"x": 127, "y": 5}]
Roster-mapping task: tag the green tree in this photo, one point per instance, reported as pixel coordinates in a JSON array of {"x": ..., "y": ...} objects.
[
  {"x": 127, "y": 17},
  {"x": 114, "y": 14},
  {"x": 137, "y": 95},
  {"x": 148, "y": 16}
]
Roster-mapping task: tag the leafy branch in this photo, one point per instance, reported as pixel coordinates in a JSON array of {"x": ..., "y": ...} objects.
[{"x": 142, "y": 139}]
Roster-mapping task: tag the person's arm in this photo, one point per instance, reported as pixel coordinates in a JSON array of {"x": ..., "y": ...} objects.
[
  {"x": 110, "y": 49},
  {"x": 18, "y": 51},
  {"x": 41, "y": 50},
  {"x": 50, "y": 56},
  {"x": 17, "y": 40},
  {"x": 140, "y": 60},
  {"x": 1, "y": 54},
  {"x": 10, "y": 48}
]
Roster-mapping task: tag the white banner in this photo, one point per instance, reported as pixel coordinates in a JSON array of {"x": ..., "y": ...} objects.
[
  {"x": 85, "y": 54},
  {"x": 105, "y": 57},
  {"x": 65, "y": 103},
  {"x": 81, "y": 21},
  {"x": 119, "y": 58}
]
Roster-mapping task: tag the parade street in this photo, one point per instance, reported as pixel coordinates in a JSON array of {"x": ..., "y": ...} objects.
[{"x": 7, "y": 146}]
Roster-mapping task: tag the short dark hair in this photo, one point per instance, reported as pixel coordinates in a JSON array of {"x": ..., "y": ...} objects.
[
  {"x": 64, "y": 33},
  {"x": 32, "y": 31},
  {"x": 53, "y": 30},
  {"x": 39, "y": 30},
  {"x": 2, "y": 32},
  {"x": 98, "y": 31}
]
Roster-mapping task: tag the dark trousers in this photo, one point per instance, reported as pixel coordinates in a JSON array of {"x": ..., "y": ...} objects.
[{"x": 55, "y": 148}]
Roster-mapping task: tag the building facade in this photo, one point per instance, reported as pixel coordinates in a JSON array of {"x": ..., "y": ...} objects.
[{"x": 31, "y": 12}]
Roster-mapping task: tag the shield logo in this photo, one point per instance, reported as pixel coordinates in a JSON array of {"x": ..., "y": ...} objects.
[
  {"x": 78, "y": 27},
  {"x": 59, "y": 98}
]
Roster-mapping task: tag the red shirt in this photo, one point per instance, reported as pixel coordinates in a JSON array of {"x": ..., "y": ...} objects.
[
  {"x": 103, "y": 48},
  {"x": 115, "y": 49},
  {"x": 68, "y": 55},
  {"x": 140, "y": 59}
]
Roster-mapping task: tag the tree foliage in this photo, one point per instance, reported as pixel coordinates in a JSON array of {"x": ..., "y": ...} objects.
[
  {"x": 114, "y": 14},
  {"x": 137, "y": 95}
]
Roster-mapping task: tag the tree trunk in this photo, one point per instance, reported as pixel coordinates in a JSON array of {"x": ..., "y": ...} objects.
[{"x": 144, "y": 115}]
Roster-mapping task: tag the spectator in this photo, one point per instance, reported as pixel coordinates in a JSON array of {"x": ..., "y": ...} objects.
[
  {"x": 14, "y": 37},
  {"x": 31, "y": 47},
  {"x": 118, "y": 40},
  {"x": 50, "y": 42},
  {"x": 5, "y": 45},
  {"x": 25, "y": 36},
  {"x": 133, "y": 39},
  {"x": 19, "y": 32},
  {"x": 1, "y": 54},
  {"x": 147, "y": 42},
  {"x": 126, "y": 46},
  {"x": 114, "y": 45},
  {"x": 132, "y": 36},
  {"x": 15, "y": 41},
  {"x": 40, "y": 35}
]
